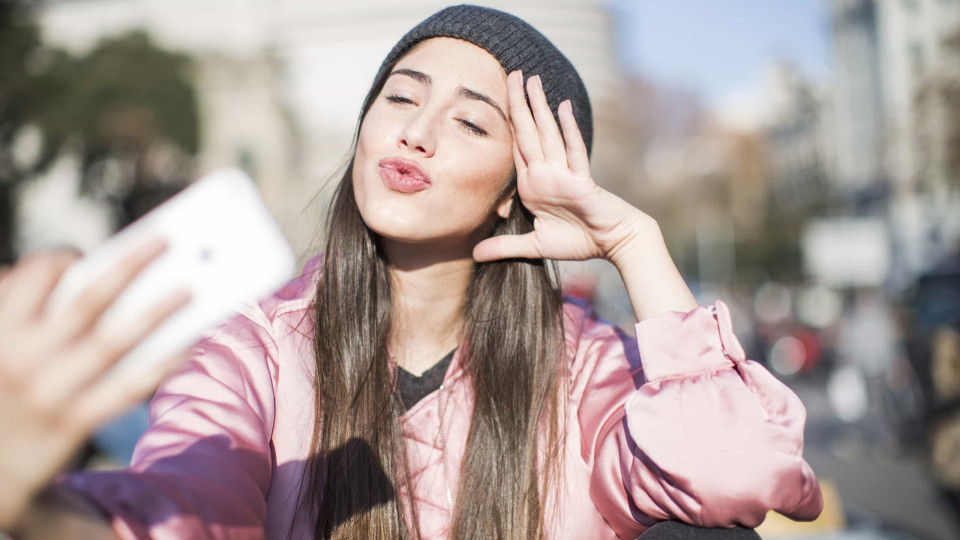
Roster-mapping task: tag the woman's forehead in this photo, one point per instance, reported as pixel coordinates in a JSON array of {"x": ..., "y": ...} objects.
[{"x": 455, "y": 61}]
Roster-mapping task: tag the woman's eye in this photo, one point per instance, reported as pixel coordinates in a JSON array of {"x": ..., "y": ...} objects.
[
  {"x": 472, "y": 129},
  {"x": 399, "y": 99}
]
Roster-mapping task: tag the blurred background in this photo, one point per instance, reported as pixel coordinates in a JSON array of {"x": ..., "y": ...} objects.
[{"x": 802, "y": 158}]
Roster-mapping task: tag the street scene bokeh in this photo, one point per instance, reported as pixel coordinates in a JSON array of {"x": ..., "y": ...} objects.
[{"x": 802, "y": 159}]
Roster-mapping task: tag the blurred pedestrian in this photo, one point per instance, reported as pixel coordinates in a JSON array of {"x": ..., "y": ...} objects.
[{"x": 869, "y": 342}]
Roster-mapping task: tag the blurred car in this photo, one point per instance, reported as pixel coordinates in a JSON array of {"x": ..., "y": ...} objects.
[{"x": 934, "y": 350}]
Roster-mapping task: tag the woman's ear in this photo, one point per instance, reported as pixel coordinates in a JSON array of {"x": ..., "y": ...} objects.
[{"x": 506, "y": 204}]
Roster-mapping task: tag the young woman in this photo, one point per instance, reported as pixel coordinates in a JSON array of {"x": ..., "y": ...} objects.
[{"x": 423, "y": 377}]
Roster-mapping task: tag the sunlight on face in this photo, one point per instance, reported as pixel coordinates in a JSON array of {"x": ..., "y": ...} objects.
[{"x": 444, "y": 109}]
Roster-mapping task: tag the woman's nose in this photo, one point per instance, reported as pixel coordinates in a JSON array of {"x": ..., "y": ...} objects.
[{"x": 418, "y": 135}]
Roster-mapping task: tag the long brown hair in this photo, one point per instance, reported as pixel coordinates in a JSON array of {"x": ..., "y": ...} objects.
[{"x": 512, "y": 352}]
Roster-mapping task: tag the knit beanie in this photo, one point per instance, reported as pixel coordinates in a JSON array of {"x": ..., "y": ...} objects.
[{"x": 516, "y": 45}]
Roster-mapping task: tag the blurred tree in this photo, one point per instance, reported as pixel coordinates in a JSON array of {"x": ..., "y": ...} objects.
[
  {"x": 21, "y": 92},
  {"x": 127, "y": 108}
]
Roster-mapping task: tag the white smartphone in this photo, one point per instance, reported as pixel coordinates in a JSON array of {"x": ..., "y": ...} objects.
[{"x": 222, "y": 245}]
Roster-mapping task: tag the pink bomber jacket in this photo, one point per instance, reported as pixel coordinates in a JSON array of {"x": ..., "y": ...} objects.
[{"x": 676, "y": 424}]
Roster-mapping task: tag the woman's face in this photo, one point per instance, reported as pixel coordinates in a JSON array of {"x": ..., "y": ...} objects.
[{"x": 443, "y": 110}]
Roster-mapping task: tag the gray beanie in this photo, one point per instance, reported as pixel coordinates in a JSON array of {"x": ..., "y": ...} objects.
[{"x": 516, "y": 45}]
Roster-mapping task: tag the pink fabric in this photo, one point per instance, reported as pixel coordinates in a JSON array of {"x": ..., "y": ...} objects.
[{"x": 674, "y": 425}]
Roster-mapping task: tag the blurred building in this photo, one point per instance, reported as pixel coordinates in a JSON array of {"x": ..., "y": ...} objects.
[
  {"x": 856, "y": 107},
  {"x": 893, "y": 123},
  {"x": 920, "y": 48},
  {"x": 793, "y": 129},
  {"x": 281, "y": 82}
]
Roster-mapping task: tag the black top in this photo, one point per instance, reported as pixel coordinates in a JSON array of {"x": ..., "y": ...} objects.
[{"x": 412, "y": 388}]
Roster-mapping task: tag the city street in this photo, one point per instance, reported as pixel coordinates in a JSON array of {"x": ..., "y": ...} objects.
[
  {"x": 875, "y": 484},
  {"x": 891, "y": 490}
]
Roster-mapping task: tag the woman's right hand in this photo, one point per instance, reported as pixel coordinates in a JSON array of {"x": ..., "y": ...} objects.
[{"x": 53, "y": 395}]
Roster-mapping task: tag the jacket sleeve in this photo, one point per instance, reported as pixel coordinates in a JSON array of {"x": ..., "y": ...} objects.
[
  {"x": 679, "y": 425},
  {"x": 203, "y": 468}
]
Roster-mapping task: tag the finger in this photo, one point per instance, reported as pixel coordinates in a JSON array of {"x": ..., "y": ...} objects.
[
  {"x": 524, "y": 128},
  {"x": 550, "y": 139},
  {"x": 577, "y": 158},
  {"x": 65, "y": 379},
  {"x": 109, "y": 343},
  {"x": 507, "y": 246},
  {"x": 89, "y": 305},
  {"x": 114, "y": 396},
  {"x": 519, "y": 162},
  {"x": 30, "y": 281}
]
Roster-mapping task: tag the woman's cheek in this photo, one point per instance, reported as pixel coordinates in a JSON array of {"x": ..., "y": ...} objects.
[
  {"x": 495, "y": 179},
  {"x": 482, "y": 201},
  {"x": 365, "y": 170}
]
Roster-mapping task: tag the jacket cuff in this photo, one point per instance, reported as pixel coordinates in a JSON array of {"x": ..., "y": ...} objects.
[
  {"x": 679, "y": 344},
  {"x": 100, "y": 489}
]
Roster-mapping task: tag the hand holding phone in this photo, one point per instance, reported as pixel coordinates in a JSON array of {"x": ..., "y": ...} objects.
[
  {"x": 222, "y": 246},
  {"x": 52, "y": 391},
  {"x": 83, "y": 340}
]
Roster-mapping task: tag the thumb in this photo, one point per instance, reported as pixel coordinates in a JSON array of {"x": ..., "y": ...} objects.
[{"x": 508, "y": 246}]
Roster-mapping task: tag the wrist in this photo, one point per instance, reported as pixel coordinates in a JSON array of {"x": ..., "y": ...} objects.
[
  {"x": 642, "y": 235},
  {"x": 652, "y": 280}
]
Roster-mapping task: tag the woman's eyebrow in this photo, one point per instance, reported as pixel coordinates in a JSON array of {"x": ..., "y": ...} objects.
[
  {"x": 415, "y": 75},
  {"x": 470, "y": 94},
  {"x": 461, "y": 91}
]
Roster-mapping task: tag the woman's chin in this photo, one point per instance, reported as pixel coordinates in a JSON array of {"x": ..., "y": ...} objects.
[
  {"x": 413, "y": 238},
  {"x": 405, "y": 231},
  {"x": 422, "y": 230}
]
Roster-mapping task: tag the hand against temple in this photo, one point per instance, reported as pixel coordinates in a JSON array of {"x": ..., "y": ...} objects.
[{"x": 574, "y": 218}]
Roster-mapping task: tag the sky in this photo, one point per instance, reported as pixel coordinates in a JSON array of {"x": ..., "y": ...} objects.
[{"x": 720, "y": 47}]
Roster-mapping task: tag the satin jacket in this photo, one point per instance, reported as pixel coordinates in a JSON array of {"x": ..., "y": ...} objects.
[{"x": 675, "y": 424}]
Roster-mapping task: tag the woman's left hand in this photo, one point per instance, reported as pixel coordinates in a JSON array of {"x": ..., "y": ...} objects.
[{"x": 574, "y": 218}]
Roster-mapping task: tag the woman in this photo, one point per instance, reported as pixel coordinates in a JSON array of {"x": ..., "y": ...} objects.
[{"x": 430, "y": 362}]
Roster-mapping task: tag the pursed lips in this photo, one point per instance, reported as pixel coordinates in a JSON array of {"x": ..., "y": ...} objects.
[
  {"x": 403, "y": 175},
  {"x": 405, "y": 167}
]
